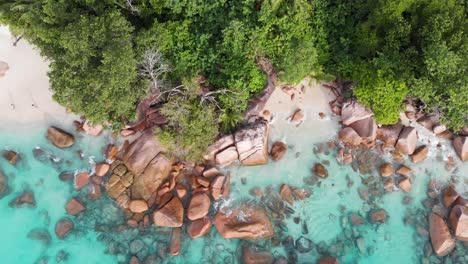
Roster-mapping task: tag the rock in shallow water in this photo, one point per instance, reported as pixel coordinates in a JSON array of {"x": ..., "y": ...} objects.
[
  {"x": 24, "y": 199},
  {"x": 199, "y": 227},
  {"x": 59, "y": 137},
  {"x": 40, "y": 234},
  {"x": 74, "y": 207},
  {"x": 4, "y": 187},
  {"x": 63, "y": 227},
  {"x": 304, "y": 245},
  {"x": 170, "y": 215},
  {"x": 320, "y": 170},
  {"x": 251, "y": 256},
  {"x": 378, "y": 216},
  {"x": 278, "y": 150},
  {"x": 442, "y": 241}
]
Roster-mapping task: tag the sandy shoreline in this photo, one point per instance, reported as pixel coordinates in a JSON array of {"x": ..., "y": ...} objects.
[{"x": 25, "y": 98}]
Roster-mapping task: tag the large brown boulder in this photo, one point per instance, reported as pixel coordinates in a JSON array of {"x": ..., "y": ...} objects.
[
  {"x": 252, "y": 143},
  {"x": 199, "y": 206},
  {"x": 227, "y": 156},
  {"x": 278, "y": 150},
  {"x": 251, "y": 256},
  {"x": 442, "y": 241},
  {"x": 60, "y": 138},
  {"x": 389, "y": 134},
  {"x": 458, "y": 220},
  {"x": 407, "y": 141},
  {"x": 349, "y": 136},
  {"x": 144, "y": 157},
  {"x": 170, "y": 215},
  {"x": 460, "y": 144},
  {"x": 199, "y": 227},
  {"x": 353, "y": 111},
  {"x": 420, "y": 154},
  {"x": 63, "y": 227},
  {"x": 450, "y": 195},
  {"x": 74, "y": 207},
  {"x": 245, "y": 222},
  {"x": 365, "y": 128},
  {"x": 220, "y": 145}
]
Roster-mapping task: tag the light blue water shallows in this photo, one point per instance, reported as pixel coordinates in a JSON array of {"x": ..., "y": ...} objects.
[{"x": 392, "y": 242}]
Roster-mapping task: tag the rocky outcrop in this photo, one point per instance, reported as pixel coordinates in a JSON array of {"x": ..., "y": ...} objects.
[
  {"x": 460, "y": 144},
  {"x": 170, "y": 215},
  {"x": 349, "y": 136},
  {"x": 458, "y": 220},
  {"x": 252, "y": 143},
  {"x": 407, "y": 141},
  {"x": 92, "y": 130},
  {"x": 388, "y": 134},
  {"x": 297, "y": 117},
  {"x": 366, "y": 129},
  {"x": 220, "y": 145},
  {"x": 145, "y": 159},
  {"x": 11, "y": 156},
  {"x": 245, "y": 222},
  {"x": 405, "y": 184},
  {"x": 278, "y": 150},
  {"x": 353, "y": 111},
  {"x": 227, "y": 156},
  {"x": 63, "y": 227},
  {"x": 441, "y": 239},
  {"x": 251, "y": 256},
  {"x": 24, "y": 199},
  {"x": 60, "y": 138},
  {"x": 3, "y": 68}
]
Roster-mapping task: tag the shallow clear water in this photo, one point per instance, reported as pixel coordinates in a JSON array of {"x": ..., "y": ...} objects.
[{"x": 101, "y": 237}]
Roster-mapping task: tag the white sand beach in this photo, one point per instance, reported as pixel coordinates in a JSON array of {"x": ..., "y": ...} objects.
[{"x": 25, "y": 98}]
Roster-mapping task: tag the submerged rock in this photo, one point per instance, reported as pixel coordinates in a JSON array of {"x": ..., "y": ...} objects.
[
  {"x": 245, "y": 221},
  {"x": 60, "y": 138},
  {"x": 378, "y": 216},
  {"x": 459, "y": 222},
  {"x": 63, "y": 227},
  {"x": 170, "y": 215},
  {"x": 251, "y": 256},
  {"x": 40, "y": 234},
  {"x": 11, "y": 156},
  {"x": 441, "y": 239},
  {"x": 175, "y": 246},
  {"x": 304, "y": 245},
  {"x": 4, "y": 187},
  {"x": 298, "y": 116},
  {"x": 278, "y": 150},
  {"x": 356, "y": 219},
  {"x": 24, "y": 199}
]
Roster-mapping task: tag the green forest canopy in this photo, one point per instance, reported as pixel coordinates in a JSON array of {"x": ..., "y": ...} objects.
[{"x": 389, "y": 49}]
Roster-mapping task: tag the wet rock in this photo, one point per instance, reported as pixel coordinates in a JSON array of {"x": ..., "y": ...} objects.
[
  {"x": 63, "y": 227},
  {"x": 199, "y": 206},
  {"x": 389, "y": 134},
  {"x": 459, "y": 222},
  {"x": 450, "y": 195},
  {"x": 220, "y": 145},
  {"x": 405, "y": 184},
  {"x": 419, "y": 154},
  {"x": 111, "y": 153},
  {"x": 138, "y": 206},
  {"x": 378, "y": 216},
  {"x": 320, "y": 170},
  {"x": 66, "y": 176},
  {"x": 11, "y": 156},
  {"x": 407, "y": 141},
  {"x": 349, "y": 136},
  {"x": 227, "y": 156},
  {"x": 286, "y": 194},
  {"x": 404, "y": 171},
  {"x": 175, "y": 246},
  {"x": 327, "y": 260},
  {"x": 460, "y": 144},
  {"x": 353, "y": 111},
  {"x": 366, "y": 129},
  {"x": 59, "y": 137},
  {"x": 298, "y": 116},
  {"x": 81, "y": 180},
  {"x": 25, "y": 199},
  {"x": 441, "y": 239},
  {"x": 74, "y": 207},
  {"x": 170, "y": 215},
  {"x": 389, "y": 184},
  {"x": 356, "y": 219},
  {"x": 278, "y": 150},
  {"x": 252, "y": 143},
  {"x": 102, "y": 169},
  {"x": 386, "y": 170},
  {"x": 304, "y": 245},
  {"x": 41, "y": 235},
  {"x": 199, "y": 227},
  {"x": 245, "y": 221},
  {"x": 92, "y": 130},
  {"x": 251, "y": 256}
]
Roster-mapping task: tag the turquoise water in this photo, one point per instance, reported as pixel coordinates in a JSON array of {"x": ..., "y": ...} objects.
[{"x": 101, "y": 236}]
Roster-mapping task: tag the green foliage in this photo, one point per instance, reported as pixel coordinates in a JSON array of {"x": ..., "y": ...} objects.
[{"x": 192, "y": 126}]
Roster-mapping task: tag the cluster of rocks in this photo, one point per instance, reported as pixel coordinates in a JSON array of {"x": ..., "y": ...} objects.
[{"x": 248, "y": 145}]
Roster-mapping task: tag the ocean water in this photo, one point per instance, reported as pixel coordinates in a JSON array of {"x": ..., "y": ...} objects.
[{"x": 101, "y": 236}]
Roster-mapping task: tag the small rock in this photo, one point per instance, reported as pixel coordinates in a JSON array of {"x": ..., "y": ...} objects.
[
  {"x": 407, "y": 141},
  {"x": 442, "y": 241},
  {"x": 278, "y": 150},
  {"x": 404, "y": 171},
  {"x": 459, "y": 222},
  {"x": 460, "y": 144},
  {"x": 349, "y": 136},
  {"x": 386, "y": 170},
  {"x": 356, "y": 219},
  {"x": 298, "y": 116},
  {"x": 286, "y": 194},
  {"x": 175, "y": 246},
  {"x": 40, "y": 234},
  {"x": 320, "y": 170},
  {"x": 378, "y": 216},
  {"x": 11, "y": 156},
  {"x": 420, "y": 154},
  {"x": 304, "y": 245},
  {"x": 327, "y": 260},
  {"x": 24, "y": 199},
  {"x": 170, "y": 215},
  {"x": 405, "y": 184},
  {"x": 138, "y": 206},
  {"x": 91, "y": 130}
]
